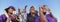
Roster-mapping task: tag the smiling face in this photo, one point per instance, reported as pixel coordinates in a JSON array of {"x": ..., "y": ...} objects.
[
  {"x": 10, "y": 10},
  {"x": 32, "y": 10}
]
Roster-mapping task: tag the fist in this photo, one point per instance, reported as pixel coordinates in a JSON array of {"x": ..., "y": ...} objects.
[{"x": 40, "y": 8}]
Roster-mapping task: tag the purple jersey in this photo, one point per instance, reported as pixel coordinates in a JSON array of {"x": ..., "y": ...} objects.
[
  {"x": 3, "y": 18},
  {"x": 48, "y": 17}
]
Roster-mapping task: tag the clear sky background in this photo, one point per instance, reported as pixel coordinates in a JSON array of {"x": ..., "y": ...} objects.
[{"x": 54, "y": 5}]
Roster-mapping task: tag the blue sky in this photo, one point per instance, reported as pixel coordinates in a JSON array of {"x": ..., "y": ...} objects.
[{"x": 54, "y": 5}]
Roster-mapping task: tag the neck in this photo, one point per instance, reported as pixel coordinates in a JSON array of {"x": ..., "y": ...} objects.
[{"x": 9, "y": 13}]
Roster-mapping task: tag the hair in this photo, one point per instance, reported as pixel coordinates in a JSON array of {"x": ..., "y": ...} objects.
[
  {"x": 9, "y": 8},
  {"x": 44, "y": 5},
  {"x": 31, "y": 7}
]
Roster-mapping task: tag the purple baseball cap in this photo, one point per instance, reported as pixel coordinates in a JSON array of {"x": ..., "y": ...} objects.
[{"x": 10, "y": 7}]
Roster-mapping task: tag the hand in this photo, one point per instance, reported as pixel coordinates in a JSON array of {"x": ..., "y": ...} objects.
[
  {"x": 8, "y": 20},
  {"x": 24, "y": 9},
  {"x": 49, "y": 10},
  {"x": 42, "y": 16},
  {"x": 14, "y": 17},
  {"x": 40, "y": 8}
]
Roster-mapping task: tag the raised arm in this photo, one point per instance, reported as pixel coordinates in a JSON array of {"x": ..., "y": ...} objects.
[
  {"x": 19, "y": 12},
  {"x": 42, "y": 17}
]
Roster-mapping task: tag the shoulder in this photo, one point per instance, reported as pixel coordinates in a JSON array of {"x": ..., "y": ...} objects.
[
  {"x": 47, "y": 14},
  {"x": 2, "y": 16},
  {"x": 38, "y": 17}
]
